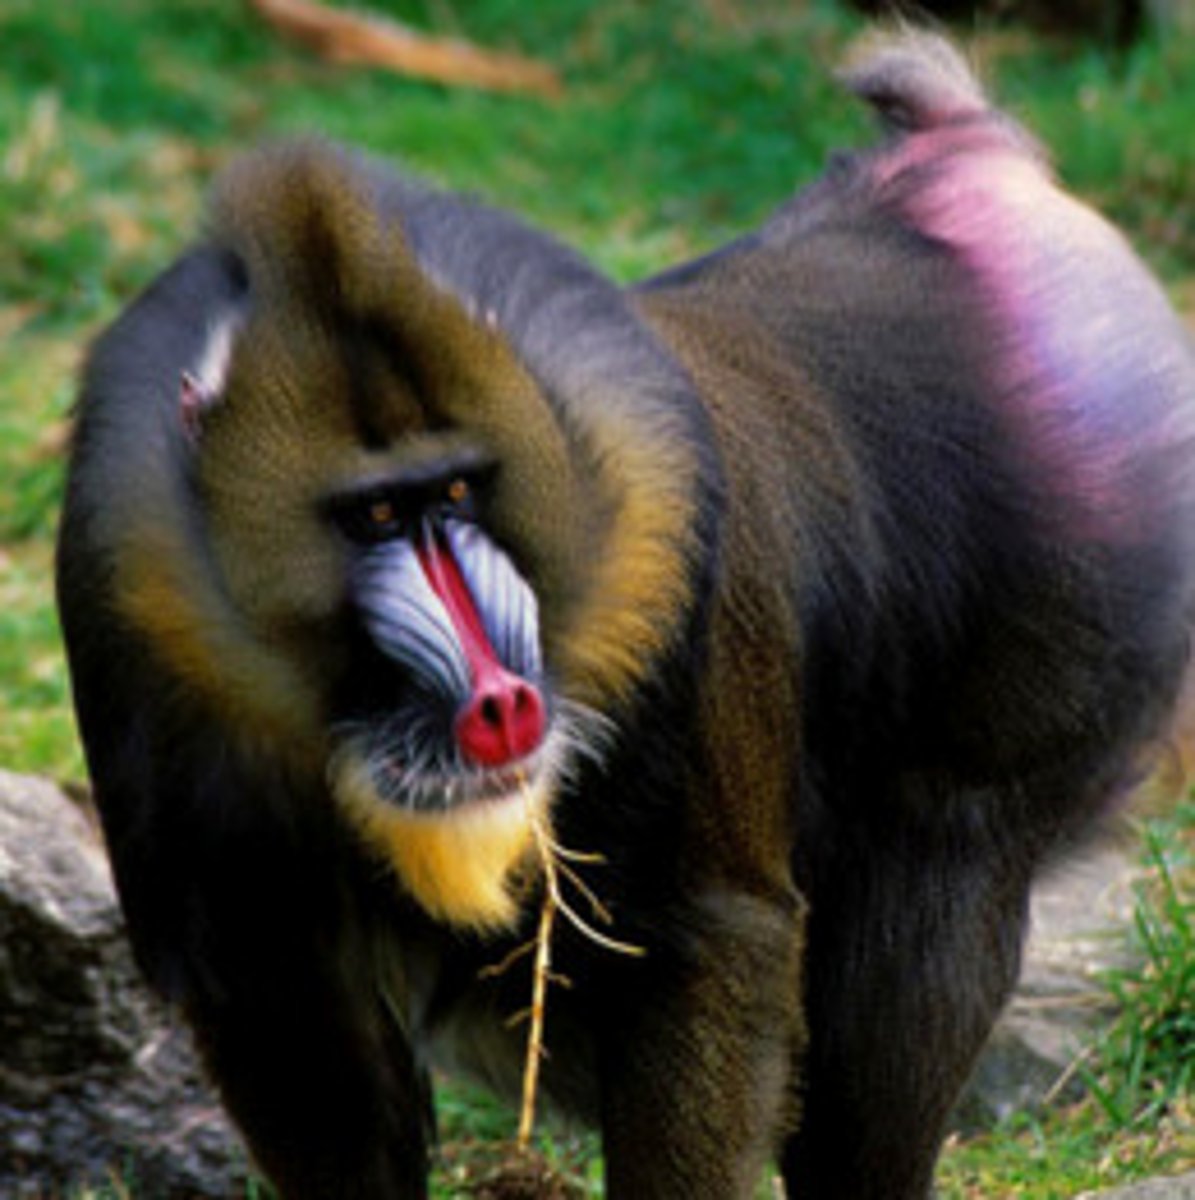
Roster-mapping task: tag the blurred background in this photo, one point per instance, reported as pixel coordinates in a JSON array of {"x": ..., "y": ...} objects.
[{"x": 641, "y": 132}]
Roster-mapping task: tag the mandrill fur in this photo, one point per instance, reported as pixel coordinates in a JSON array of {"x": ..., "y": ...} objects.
[{"x": 825, "y": 587}]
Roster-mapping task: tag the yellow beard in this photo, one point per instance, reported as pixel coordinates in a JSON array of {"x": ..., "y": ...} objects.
[{"x": 459, "y": 865}]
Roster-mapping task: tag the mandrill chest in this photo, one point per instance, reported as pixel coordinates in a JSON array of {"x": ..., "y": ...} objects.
[{"x": 465, "y": 1009}]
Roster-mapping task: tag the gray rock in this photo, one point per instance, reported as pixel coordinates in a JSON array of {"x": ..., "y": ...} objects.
[
  {"x": 95, "y": 1080},
  {"x": 1181, "y": 1187}
]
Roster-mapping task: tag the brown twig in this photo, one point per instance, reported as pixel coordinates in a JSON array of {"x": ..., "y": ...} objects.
[
  {"x": 539, "y": 992},
  {"x": 553, "y": 861},
  {"x": 346, "y": 37},
  {"x": 500, "y": 968}
]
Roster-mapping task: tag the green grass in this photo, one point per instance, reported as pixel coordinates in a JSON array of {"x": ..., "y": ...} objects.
[
  {"x": 682, "y": 122},
  {"x": 1138, "y": 1115},
  {"x": 1145, "y": 1063}
]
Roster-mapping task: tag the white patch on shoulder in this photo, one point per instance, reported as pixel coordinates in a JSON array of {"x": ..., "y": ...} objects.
[
  {"x": 211, "y": 371},
  {"x": 202, "y": 384}
]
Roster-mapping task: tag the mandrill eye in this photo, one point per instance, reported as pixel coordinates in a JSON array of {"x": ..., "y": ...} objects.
[
  {"x": 382, "y": 515},
  {"x": 398, "y": 506},
  {"x": 369, "y": 519}
]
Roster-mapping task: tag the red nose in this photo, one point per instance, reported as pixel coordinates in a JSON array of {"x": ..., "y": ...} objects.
[{"x": 502, "y": 721}]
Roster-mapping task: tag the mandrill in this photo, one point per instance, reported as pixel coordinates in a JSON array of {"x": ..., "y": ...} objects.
[{"x": 821, "y": 590}]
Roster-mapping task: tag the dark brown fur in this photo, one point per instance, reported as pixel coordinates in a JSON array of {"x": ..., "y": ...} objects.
[{"x": 875, "y": 563}]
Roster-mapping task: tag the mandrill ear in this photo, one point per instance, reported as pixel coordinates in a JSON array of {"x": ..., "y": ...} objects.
[{"x": 201, "y": 386}]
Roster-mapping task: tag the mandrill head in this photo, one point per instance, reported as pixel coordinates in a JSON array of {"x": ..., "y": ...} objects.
[{"x": 412, "y": 506}]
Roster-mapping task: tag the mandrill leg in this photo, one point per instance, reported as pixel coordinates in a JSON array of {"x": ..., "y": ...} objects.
[
  {"x": 298, "y": 1014},
  {"x": 331, "y": 1107},
  {"x": 329, "y": 1110},
  {"x": 914, "y": 947},
  {"x": 695, "y": 1077}
]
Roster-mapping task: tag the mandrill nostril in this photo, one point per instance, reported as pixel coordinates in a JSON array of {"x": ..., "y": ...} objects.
[
  {"x": 501, "y": 722},
  {"x": 491, "y": 711}
]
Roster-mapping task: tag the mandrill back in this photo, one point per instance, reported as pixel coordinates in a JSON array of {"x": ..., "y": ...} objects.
[{"x": 824, "y": 587}]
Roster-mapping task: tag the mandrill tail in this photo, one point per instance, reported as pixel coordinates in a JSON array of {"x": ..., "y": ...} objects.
[{"x": 914, "y": 80}]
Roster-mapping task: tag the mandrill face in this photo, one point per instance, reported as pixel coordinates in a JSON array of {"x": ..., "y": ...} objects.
[
  {"x": 387, "y": 552},
  {"x": 454, "y": 754},
  {"x": 388, "y": 565},
  {"x": 445, "y": 606}
]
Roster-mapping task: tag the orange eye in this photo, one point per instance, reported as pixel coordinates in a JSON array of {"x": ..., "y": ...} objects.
[
  {"x": 458, "y": 491},
  {"x": 382, "y": 513}
]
